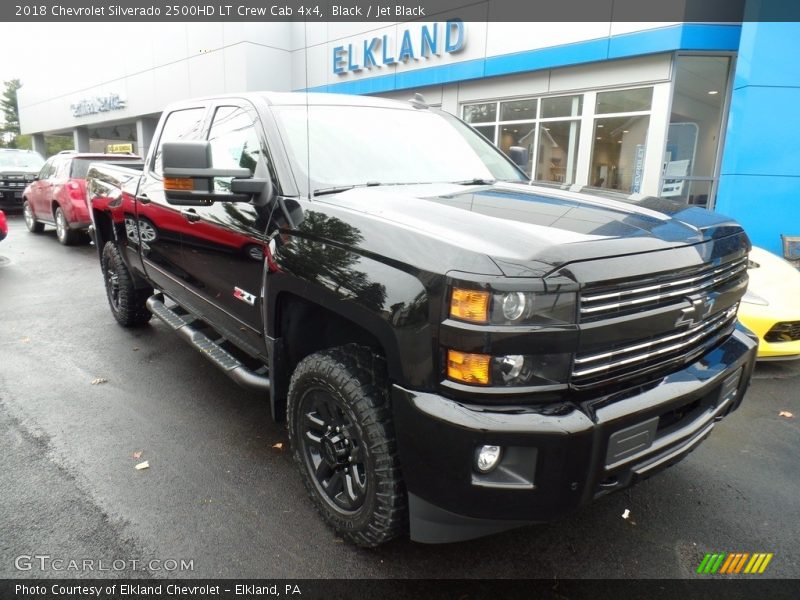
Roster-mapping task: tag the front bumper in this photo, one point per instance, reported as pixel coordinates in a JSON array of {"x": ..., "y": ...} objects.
[
  {"x": 11, "y": 198},
  {"x": 559, "y": 456}
]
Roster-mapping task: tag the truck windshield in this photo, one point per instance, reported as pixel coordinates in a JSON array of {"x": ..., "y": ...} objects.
[
  {"x": 25, "y": 160},
  {"x": 362, "y": 145}
]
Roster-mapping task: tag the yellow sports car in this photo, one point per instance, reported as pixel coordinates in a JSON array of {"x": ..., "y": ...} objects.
[{"x": 771, "y": 306}]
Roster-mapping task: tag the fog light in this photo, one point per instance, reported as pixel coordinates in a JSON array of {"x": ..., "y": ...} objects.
[
  {"x": 511, "y": 367},
  {"x": 487, "y": 458}
]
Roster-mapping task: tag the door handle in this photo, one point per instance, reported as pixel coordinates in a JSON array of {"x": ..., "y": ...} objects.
[
  {"x": 191, "y": 215},
  {"x": 143, "y": 198}
]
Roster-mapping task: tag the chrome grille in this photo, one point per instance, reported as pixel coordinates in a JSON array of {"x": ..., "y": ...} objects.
[
  {"x": 659, "y": 352},
  {"x": 606, "y": 302}
]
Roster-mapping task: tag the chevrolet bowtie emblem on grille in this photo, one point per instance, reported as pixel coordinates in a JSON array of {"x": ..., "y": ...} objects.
[{"x": 700, "y": 308}]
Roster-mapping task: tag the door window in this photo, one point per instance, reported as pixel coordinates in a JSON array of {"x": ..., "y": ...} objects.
[
  {"x": 47, "y": 169},
  {"x": 61, "y": 168},
  {"x": 180, "y": 125},
  {"x": 234, "y": 143}
]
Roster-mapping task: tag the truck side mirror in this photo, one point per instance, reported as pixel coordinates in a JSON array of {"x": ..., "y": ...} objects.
[{"x": 189, "y": 176}]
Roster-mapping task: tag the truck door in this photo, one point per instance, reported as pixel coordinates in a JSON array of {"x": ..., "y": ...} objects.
[
  {"x": 224, "y": 243},
  {"x": 156, "y": 225}
]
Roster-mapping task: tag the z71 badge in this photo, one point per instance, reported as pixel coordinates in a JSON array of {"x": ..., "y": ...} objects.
[{"x": 240, "y": 294}]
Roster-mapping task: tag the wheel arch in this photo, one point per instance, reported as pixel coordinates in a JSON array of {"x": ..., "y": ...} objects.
[
  {"x": 302, "y": 327},
  {"x": 103, "y": 229}
]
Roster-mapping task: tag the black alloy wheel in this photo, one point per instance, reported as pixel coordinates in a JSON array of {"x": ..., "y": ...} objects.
[
  {"x": 342, "y": 436},
  {"x": 333, "y": 450}
]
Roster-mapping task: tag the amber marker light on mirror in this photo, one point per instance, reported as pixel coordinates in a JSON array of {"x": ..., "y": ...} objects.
[
  {"x": 179, "y": 184},
  {"x": 470, "y": 305},
  {"x": 468, "y": 368}
]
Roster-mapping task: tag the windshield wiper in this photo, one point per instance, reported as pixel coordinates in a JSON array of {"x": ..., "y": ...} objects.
[
  {"x": 332, "y": 190},
  {"x": 476, "y": 181},
  {"x": 342, "y": 188}
]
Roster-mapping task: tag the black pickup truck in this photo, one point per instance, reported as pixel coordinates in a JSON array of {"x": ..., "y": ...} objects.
[{"x": 456, "y": 351}]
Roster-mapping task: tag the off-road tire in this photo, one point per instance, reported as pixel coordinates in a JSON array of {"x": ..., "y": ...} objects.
[
  {"x": 354, "y": 378},
  {"x": 126, "y": 301},
  {"x": 31, "y": 223}
]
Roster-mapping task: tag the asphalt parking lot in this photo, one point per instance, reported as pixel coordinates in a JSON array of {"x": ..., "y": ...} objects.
[{"x": 220, "y": 494}]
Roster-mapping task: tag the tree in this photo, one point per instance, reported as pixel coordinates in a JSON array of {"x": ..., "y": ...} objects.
[{"x": 8, "y": 104}]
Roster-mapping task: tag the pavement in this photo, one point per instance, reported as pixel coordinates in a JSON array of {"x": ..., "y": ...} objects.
[{"x": 220, "y": 497}]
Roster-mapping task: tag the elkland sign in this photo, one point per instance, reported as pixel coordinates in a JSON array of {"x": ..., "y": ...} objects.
[
  {"x": 431, "y": 40},
  {"x": 98, "y": 104}
]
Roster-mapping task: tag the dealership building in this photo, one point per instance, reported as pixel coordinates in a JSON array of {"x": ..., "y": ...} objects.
[{"x": 704, "y": 113}]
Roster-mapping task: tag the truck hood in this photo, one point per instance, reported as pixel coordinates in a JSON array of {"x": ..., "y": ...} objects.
[
  {"x": 19, "y": 170},
  {"x": 531, "y": 230}
]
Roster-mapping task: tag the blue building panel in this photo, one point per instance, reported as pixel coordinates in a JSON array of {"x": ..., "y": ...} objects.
[
  {"x": 763, "y": 132},
  {"x": 460, "y": 71},
  {"x": 760, "y": 176},
  {"x": 686, "y": 37},
  {"x": 547, "y": 58},
  {"x": 767, "y": 206},
  {"x": 759, "y": 52}
]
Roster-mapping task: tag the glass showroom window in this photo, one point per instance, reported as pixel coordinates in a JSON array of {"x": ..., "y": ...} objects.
[
  {"x": 558, "y": 139},
  {"x": 506, "y": 125},
  {"x": 693, "y": 138},
  {"x": 483, "y": 117},
  {"x": 550, "y": 139},
  {"x": 620, "y": 137}
]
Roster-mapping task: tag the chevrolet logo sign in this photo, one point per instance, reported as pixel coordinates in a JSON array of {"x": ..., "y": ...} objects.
[{"x": 700, "y": 308}]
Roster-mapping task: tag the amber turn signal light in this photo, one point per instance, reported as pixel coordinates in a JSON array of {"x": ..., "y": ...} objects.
[
  {"x": 468, "y": 368},
  {"x": 184, "y": 184},
  {"x": 470, "y": 305}
]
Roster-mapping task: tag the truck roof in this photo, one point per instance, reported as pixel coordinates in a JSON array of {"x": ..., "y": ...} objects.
[{"x": 301, "y": 99}]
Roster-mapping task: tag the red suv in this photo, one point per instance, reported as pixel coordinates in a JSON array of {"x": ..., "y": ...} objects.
[{"x": 58, "y": 195}]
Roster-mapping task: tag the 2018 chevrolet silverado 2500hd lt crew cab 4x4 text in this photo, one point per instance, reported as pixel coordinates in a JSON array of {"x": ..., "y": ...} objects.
[{"x": 455, "y": 350}]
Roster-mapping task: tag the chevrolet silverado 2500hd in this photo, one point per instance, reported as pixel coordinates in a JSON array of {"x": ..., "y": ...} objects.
[{"x": 456, "y": 350}]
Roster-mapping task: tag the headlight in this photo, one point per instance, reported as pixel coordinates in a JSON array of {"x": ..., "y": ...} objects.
[
  {"x": 516, "y": 304},
  {"x": 513, "y": 307},
  {"x": 508, "y": 371}
]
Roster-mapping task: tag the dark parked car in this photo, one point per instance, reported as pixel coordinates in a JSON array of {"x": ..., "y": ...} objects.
[
  {"x": 455, "y": 350},
  {"x": 17, "y": 169},
  {"x": 58, "y": 195}
]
